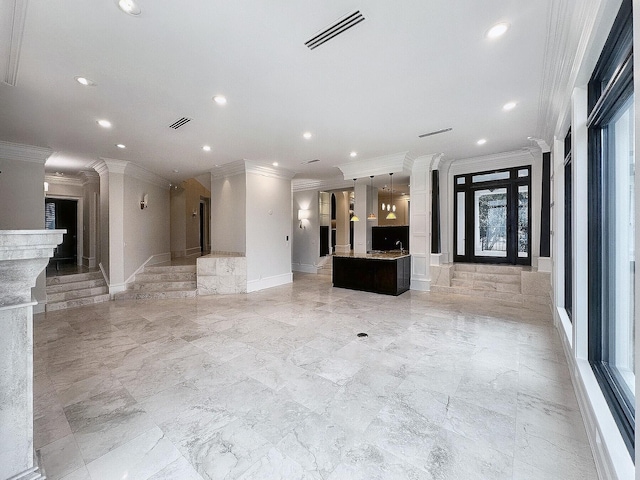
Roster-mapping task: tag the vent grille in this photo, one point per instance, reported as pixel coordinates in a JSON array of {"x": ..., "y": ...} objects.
[
  {"x": 341, "y": 26},
  {"x": 435, "y": 132},
  {"x": 179, "y": 123},
  {"x": 310, "y": 161}
]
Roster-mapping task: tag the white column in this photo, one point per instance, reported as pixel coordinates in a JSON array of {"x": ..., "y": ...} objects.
[
  {"x": 420, "y": 226},
  {"x": 342, "y": 222},
  {"x": 24, "y": 254}
]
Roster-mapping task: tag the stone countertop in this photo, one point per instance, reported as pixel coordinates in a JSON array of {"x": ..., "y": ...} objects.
[{"x": 388, "y": 255}]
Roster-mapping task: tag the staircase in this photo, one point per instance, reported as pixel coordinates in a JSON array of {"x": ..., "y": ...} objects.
[
  {"x": 68, "y": 291},
  {"x": 325, "y": 265},
  {"x": 162, "y": 282},
  {"x": 508, "y": 283}
]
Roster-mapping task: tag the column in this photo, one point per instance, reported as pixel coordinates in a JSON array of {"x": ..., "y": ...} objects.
[
  {"x": 24, "y": 254},
  {"x": 420, "y": 240}
]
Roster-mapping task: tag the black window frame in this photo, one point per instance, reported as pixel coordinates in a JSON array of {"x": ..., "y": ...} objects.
[
  {"x": 610, "y": 87},
  {"x": 568, "y": 227}
]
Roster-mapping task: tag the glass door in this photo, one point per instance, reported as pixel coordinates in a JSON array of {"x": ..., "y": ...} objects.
[{"x": 492, "y": 217}]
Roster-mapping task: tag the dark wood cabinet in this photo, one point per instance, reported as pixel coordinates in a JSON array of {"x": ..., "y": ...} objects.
[{"x": 390, "y": 276}]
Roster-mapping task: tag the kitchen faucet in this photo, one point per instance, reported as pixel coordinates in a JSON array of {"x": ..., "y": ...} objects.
[{"x": 400, "y": 243}]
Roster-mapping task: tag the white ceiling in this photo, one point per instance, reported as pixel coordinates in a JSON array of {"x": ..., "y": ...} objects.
[{"x": 411, "y": 67}]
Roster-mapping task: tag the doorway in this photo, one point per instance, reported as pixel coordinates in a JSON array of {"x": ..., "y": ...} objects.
[
  {"x": 63, "y": 214},
  {"x": 492, "y": 217}
]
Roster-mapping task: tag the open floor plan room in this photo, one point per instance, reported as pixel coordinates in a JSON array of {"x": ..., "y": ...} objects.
[{"x": 278, "y": 384}]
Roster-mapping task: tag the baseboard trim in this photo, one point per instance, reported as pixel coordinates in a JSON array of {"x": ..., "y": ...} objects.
[
  {"x": 420, "y": 284},
  {"x": 152, "y": 260},
  {"x": 192, "y": 252},
  {"x": 89, "y": 262},
  {"x": 269, "y": 282},
  {"x": 304, "y": 268}
]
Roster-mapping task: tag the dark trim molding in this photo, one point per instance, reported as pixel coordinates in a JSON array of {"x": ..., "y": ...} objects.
[{"x": 545, "y": 218}]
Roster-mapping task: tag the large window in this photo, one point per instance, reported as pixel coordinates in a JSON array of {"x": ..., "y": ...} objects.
[{"x": 612, "y": 224}]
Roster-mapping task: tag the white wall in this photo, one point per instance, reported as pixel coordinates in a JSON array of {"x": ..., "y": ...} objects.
[
  {"x": 305, "y": 251},
  {"x": 146, "y": 232},
  {"x": 268, "y": 227},
  {"x": 103, "y": 215},
  {"x": 228, "y": 213},
  {"x": 178, "y": 222}
]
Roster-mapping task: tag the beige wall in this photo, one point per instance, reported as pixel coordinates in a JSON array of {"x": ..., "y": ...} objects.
[
  {"x": 178, "y": 222},
  {"x": 146, "y": 232},
  {"x": 229, "y": 213},
  {"x": 402, "y": 209}
]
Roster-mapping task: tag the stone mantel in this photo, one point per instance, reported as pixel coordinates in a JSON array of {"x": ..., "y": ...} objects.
[{"x": 23, "y": 255}]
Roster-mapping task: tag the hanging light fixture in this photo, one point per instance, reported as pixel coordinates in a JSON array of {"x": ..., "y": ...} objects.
[
  {"x": 355, "y": 217},
  {"x": 371, "y": 216},
  {"x": 391, "y": 215}
]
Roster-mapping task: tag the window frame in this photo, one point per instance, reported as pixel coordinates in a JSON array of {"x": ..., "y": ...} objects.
[{"x": 610, "y": 87}]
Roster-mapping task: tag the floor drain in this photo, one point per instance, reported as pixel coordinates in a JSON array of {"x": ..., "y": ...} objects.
[{"x": 362, "y": 334}]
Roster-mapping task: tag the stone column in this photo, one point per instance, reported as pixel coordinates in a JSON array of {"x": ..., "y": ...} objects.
[
  {"x": 420, "y": 231},
  {"x": 23, "y": 256}
]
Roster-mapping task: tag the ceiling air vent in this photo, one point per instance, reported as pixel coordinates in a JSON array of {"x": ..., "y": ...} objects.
[
  {"x": 179, "y": 123},
  {"x": 310, "y": 161},
  {"x": 335, "y": 29},
  {"x": 436, "y": 132}
]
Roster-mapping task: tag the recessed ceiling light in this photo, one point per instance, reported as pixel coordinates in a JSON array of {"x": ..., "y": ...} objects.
[
  {"x": 121, "y": 145},
  {"x": 220, "y": 100},
  {"x": 498, "y": 30},
  {"x": 275, "y": 164},
  {"x": 509, "y": 106},
  {"x": 175, "y": 170},
  {"x": 206, "y": 148},
  {"x": 482, "y": 141},
  {"x": 307, "y": 135},
  {"x": 353, "y": 154},
  {"x": 85, "y": 81},
  {"x": 104, "y": 123},
  {"x": 129, "y": 6}
]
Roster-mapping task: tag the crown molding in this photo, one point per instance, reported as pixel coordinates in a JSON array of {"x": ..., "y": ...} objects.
[
  {"x": 228, "y": 169},
  {"x": 16, "y": 10},
  {"x": 498, "y": 160},
  {"x": 24, "y": 153},
  {"x": 100, "y": 167},
  {"x": 66, "y": 180},
  {"x": 395, "y": 163},
  {"x": 140, "y": 173},
  {"x": 89, "y": 177},
  {"x": 304, "y": 184},
  {"x": 268, "y": 171}
]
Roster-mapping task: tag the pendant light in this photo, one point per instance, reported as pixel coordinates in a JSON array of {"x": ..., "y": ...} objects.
[
  {"x": 355, "y": 217},
  {"x": 371, "y": 216},
  {"x": 391, "y": 215}
]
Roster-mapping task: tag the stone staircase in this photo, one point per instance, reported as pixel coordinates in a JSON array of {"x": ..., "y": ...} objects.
[
  {"x": 325, "y": 265},
  {"x": 68, "y": 291},
  {"x": 162, "y": 282},
  {"x": 513, "y": 284}
]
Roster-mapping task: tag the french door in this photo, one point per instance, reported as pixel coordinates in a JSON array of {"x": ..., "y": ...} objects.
[{"x": 492, "y": 217}]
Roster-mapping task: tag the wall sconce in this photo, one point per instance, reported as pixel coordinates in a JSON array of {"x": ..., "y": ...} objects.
[
  {"x": 303, "y": 215},
  {"x": 144, "y": 203},
  {"x": 194, "y": 214}
]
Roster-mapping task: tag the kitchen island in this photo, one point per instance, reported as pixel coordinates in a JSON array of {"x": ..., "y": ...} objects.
[{"x": 379, "y": 272}]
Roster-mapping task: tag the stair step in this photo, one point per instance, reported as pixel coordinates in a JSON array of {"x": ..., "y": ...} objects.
[
  {"x": 66, "y": 287},
  {"x": 76, "y": 277},
  {"x": 487, "y": 268},
  {"x": 161, "y": 286},
  {"x": 485, "y": 286},
  {"x": 138, "y": 295},
  {"x": 504, "y": 296},
  {"x": 78, "y": 302},
  {"x": 171, "y": 269},
  {"x": 165, "y": 277},
  {"x": 73, "y": 294},
  {"x": 489, "y": 277}
]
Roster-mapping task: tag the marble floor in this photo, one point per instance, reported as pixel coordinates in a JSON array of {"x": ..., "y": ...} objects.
[{"x": 277, "y": 385}]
